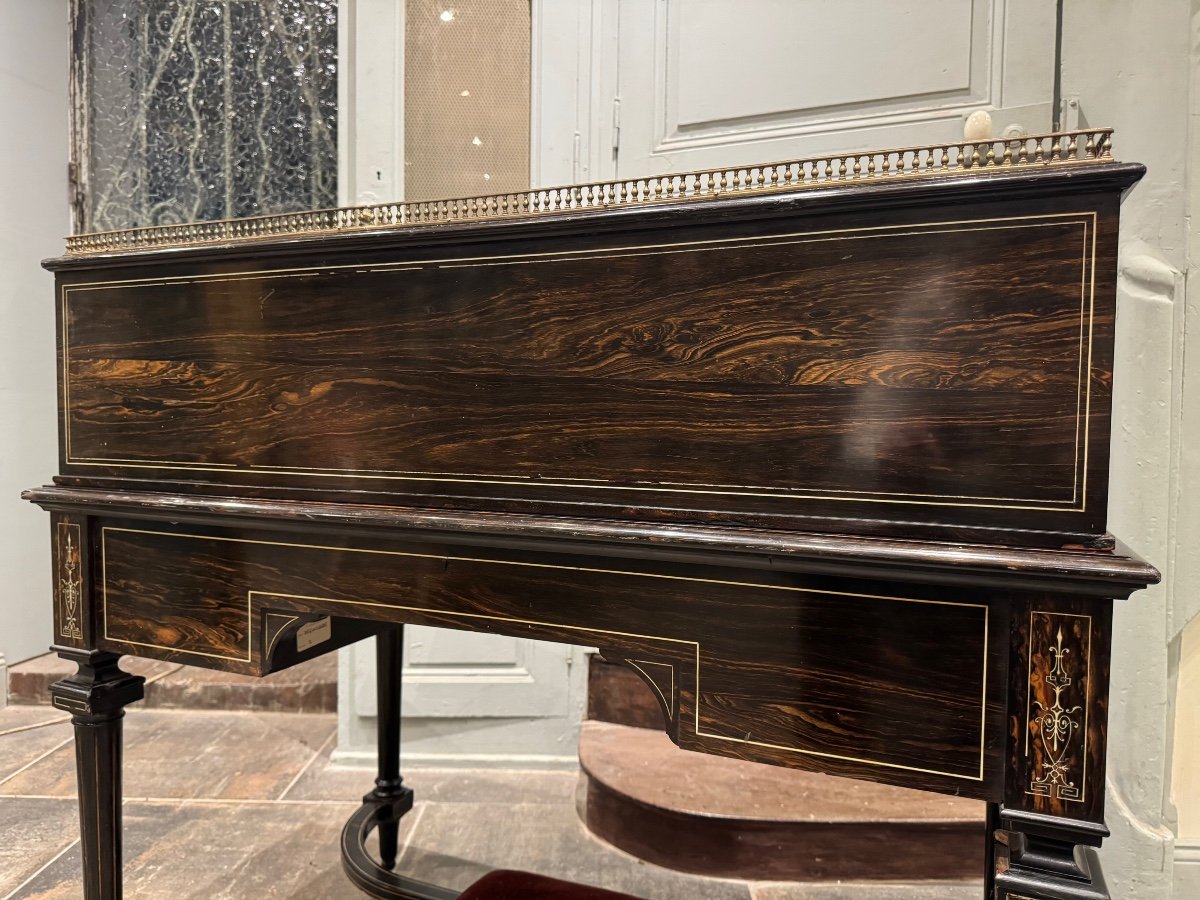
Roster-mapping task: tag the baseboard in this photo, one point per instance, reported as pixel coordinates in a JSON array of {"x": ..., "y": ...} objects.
[
  {"x": 365, "y": 759},
  {"x": 1186, "y": 871}
]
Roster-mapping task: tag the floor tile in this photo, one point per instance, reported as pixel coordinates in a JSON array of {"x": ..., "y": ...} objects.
[
  {"x": 503, "y": 786},
  {"x": 932, "y": 890},
  {"x": 325, "y": 781},
  {"x": 32, "y": 833},
  {"x": 19, "y": 718},
  {"x": 307, "y": 687},
  {"x": 231, "y": 851},
  {"x": 455, "y": 843},
  {"x": 27, "y": 733},
  {"x": 217, "y": 830},
  {"x": 29, "y": 681},
  {"x": 244, "y": 756}
]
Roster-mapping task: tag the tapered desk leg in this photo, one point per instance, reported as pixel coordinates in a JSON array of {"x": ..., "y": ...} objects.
[
  {"x": 96, "y": 696},
  {"x": 390, "y": 800},
  {"x": 389, "y": 786}
]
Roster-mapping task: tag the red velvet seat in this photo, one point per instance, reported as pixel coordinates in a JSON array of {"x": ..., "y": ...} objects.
[{"x": 510, "y": 885}]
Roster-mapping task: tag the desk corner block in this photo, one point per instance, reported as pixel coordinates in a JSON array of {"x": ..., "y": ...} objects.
[
  {"x": 99, "y": 690},
  {"x": 1053, "y": 809}
]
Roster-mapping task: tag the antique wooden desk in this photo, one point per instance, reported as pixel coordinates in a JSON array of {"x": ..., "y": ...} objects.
[{"x": 818, "y": 449}]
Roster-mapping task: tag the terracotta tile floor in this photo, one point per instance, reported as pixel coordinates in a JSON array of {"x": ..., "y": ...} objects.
[
  {"x": 307, "y": 687},
  {"x": 232, "y": 805}
]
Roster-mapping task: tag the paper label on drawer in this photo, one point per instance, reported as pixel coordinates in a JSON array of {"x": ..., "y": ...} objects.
[{"x": 314, "y": 633}]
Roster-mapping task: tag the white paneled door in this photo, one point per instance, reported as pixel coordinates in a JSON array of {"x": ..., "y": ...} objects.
[
  {"x": 706, "y": 83},
  {"x": 469, "y": 699},
  {"x": 634, "y": 88}
]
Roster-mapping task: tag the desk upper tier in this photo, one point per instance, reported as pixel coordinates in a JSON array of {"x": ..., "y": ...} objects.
[{"x": 908, "y": 352}]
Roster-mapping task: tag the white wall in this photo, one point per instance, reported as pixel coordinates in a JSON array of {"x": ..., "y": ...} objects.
[
  {"x": 1131, "y": 66},
  {"x": 1183, "y": 624},
  {"x": 34, "y": 54},
  {"x": 1185, "y": 776}
]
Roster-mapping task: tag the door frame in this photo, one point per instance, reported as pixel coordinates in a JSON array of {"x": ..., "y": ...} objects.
[{"x": 572, "y": 60}]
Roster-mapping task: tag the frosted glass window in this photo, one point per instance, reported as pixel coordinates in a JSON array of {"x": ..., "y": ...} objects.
[
  {"x": 466, "y": 97},
  {"x": 202, "y": 109}
]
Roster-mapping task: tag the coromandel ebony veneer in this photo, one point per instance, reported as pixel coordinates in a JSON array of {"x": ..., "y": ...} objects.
[{"x": 818, "y": 449}]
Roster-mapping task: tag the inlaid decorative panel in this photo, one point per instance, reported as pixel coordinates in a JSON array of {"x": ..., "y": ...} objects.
[
  {"x": 602, "y": 389},
  {"x": 68, "y": 586},
  {"x": 1059, "y": 671}
]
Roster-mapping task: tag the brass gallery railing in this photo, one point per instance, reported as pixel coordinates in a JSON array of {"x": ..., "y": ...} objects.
[{"x": 967, "y": 158}]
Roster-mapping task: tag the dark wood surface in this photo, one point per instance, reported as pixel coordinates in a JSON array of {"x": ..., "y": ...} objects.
[
  {"x": 829, "y": 468},
  {"x": 775, "y": 683},
  {"x": 620, "y": 695},
  {"x": 761, "y": 823},
  {"x": 717, "y": 368},
  {"x": 1114, "y": 572},
  {"x": 942, "y": 368}
]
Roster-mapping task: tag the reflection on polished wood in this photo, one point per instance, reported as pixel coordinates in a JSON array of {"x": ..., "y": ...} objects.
[{"x": 828, "y": 469}]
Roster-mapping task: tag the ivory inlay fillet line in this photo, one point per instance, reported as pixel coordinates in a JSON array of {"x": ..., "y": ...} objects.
[
  {"x": 251, "y": 594},
  {"x": 1077, "y": 503}
]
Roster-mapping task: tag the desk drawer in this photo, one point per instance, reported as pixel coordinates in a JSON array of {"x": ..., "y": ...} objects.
[{"x": 895, "y": 681}]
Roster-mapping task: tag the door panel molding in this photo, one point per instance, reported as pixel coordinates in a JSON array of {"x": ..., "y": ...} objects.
[
  {"x": 484, "y": 699},
  {"x": 700, "y": 86}
]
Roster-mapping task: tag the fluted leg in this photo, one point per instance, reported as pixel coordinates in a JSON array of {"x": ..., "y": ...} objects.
[
  {"x": 96, "y": 697},
  {"x": 387, "y": 804}
]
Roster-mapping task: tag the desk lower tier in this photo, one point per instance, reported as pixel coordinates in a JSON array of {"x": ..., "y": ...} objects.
[{"x": 980, "y": 672}]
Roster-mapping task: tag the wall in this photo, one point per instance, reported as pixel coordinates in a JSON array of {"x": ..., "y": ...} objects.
[
  {"x": 1185, "y": 775},
  {"x": 469, "y": 700},
  {"x": 1131, "y": 66},
  {"x": 1183, "y": 622},
  {"x": 34, "y": 52}
]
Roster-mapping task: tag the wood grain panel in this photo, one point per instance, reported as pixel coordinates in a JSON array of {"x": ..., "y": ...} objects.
[
  {"x": 374, "y": 422},
  {"x": 910, "y": 364},
  {"x": 775, "y": 682},
  {"x": 899, "y": 308}
]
